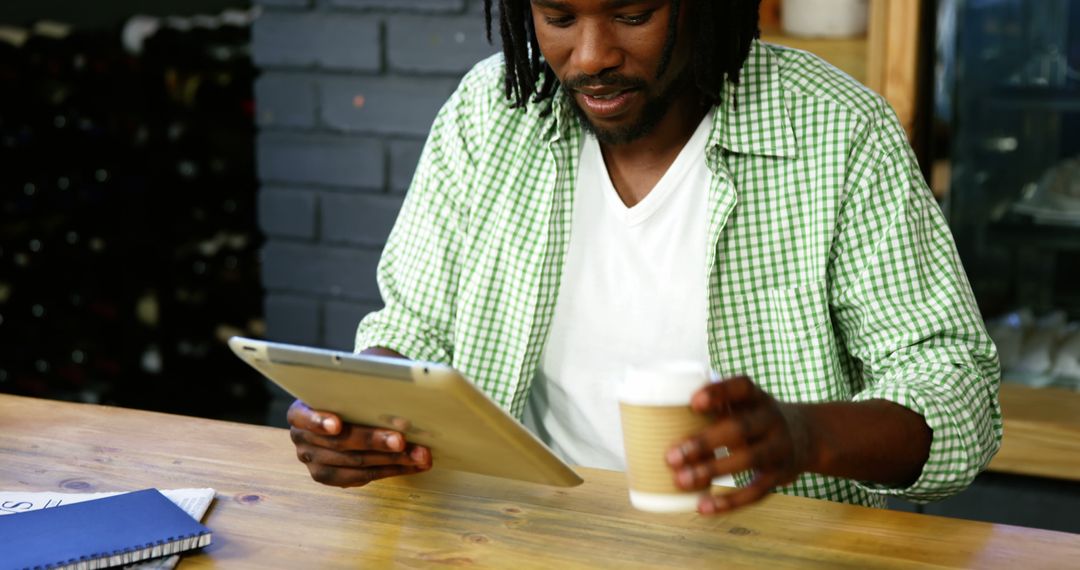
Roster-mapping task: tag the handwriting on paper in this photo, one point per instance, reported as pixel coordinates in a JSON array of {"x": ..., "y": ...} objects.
[{"x": 11, "y": 507}]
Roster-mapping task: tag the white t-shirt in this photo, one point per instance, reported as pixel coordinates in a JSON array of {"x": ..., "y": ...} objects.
[{"x": 633, "y": 292}]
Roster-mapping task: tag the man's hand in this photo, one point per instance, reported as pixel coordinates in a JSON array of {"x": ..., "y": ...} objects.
[
  {"x": 873, "y": 440},
  {"x": 760, "y": 434},
  {"x": 346, "y": 455}
]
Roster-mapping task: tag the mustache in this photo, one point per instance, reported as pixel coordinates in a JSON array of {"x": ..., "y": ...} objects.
[{"x": 611, "y": 79}]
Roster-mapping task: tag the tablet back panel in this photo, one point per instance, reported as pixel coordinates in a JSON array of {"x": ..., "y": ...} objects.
[{"x": 432, "y": 404}]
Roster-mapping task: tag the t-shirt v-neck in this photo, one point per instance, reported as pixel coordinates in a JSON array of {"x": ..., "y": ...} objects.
[
  {"x": 633, "y": 292},
  {"x": 693, "y": 150}
]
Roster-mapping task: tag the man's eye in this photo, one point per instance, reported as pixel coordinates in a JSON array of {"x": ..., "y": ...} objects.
[
  {"x": 559, "y": 21},
  {"x": 636, "y": 19}
]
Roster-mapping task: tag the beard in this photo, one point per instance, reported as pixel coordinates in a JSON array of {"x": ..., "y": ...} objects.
[{"x": 655, "y": 108}]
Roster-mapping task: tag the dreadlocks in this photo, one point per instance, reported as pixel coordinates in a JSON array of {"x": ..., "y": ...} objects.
[{"x": 721, "y": 32}]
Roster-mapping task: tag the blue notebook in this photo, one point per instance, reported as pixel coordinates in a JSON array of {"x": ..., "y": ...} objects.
[{"x": 98, "y": 534}]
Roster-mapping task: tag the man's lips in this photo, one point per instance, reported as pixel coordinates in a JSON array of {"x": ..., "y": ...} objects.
[
  {"x": 605, "y": 101},
  {"x": 601, "y": 91}
]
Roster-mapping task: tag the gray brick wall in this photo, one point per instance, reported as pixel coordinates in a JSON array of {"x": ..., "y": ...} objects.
[{"x": 347, "y": 92}]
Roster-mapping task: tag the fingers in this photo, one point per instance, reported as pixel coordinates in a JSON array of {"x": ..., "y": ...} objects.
[
  {"x": 771, "y": 455},
  {"x": 351, "y": 468},
  {"x": 324, "y": 429},
  {"x": 752, "y": 426},
  {"x": 303, "y": 417},
  {"x": 347, "y": 455},
  {"x": 358, "y": 468},
  {"x": 732, "y": 431},
  {"x": 417, "y": 456},
  {"x": 720, "y": 397},
  {"x": 700, "y": 475},
  {"x": 769, "y": 462},
  {"x": 752, "y": 493},
  {"x": 348, "y": 477},
  {"x": 352, "y": 438}
]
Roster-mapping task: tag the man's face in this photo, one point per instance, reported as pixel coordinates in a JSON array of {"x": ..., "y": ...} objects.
[{"x": 606, "y": 54}]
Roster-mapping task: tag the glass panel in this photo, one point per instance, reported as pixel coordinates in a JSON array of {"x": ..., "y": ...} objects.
[{"x": 1007, "y": 103}]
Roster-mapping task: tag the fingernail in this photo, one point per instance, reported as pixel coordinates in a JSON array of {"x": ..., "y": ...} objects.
[
  {"x": 419, "y": 454},
  {"x": 395, "y": 442},
  {"x": 327, "y": 424},
  {"x": 686, "y": 477},
  {"x": 674, "y": 456},
  {"x": 706, "y": 506}
]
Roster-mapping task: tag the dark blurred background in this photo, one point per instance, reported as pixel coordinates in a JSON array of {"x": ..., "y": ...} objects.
[
  {"x": 129, "y": 244},
  {"x": 106, "y": 13},
  {"x": 150, "y": 209}
]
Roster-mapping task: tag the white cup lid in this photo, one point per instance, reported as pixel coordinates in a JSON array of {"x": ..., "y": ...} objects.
[{"x": 662, "y": 384}]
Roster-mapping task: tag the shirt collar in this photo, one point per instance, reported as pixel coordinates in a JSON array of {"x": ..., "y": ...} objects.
[
  {"x": 564, "y": 120},
  {"x": 752, "y": 117}
]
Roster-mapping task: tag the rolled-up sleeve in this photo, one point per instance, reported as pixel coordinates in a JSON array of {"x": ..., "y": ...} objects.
[
  {"x": 904, "y": 307},
  {"x": 420, "y": 266}
]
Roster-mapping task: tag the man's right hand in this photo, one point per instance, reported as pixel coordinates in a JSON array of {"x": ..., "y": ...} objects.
[{"x": 347, "y": 455}]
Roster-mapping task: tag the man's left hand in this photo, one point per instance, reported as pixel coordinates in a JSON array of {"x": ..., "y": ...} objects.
[{"x": 771, "y": 439}]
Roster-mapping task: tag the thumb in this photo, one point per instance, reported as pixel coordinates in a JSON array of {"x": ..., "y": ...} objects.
[
  {"x": 320, "y": 422},
  {"x": 327, "y": 423}
]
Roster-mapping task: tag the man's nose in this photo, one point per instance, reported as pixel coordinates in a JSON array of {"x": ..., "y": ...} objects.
[{"x": 596, "y": 50}]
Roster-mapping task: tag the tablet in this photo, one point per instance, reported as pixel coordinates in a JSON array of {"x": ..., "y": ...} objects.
[{"x": 431, "y": 404}]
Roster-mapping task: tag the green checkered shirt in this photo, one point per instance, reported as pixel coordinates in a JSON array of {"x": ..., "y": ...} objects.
[{"x": 833, "y": 274}]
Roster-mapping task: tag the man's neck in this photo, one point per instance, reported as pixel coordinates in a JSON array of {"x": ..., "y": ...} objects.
[{"x": 635, "y": 167}]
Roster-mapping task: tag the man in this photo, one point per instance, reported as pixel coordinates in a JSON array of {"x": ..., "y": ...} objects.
[{"x": 657, "y": 186}]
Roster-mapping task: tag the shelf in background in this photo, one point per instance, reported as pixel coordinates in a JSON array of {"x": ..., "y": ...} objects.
[
  {"x": 1059, "y": 99},
  {"x": 850, "y": 55},
  {"x": 885, "y": 59},
  {"x": 1022, "y": 231}
]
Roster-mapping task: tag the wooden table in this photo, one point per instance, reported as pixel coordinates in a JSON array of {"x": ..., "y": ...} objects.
[
  {"x": 1042, "y": 433},
  {"x": 269, "y": 514}
]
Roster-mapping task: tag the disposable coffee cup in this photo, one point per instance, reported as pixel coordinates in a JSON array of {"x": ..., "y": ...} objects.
[{"x": 654, "y": 404}]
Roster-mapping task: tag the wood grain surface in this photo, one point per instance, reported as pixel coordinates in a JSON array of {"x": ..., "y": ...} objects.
[
  {"x": 892, "y": 57},
  {"x": 269, "y": 514},
  {"x": 1042, "y": 433}
]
